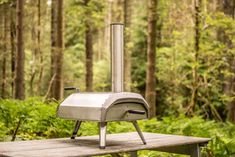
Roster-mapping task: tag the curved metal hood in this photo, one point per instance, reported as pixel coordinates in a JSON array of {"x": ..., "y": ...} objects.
[{"x": 103, "y": 106}]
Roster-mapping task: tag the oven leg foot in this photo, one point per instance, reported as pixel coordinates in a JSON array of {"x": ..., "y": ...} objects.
[
  {"x": 76, "y": 128},
  {"x": 139, "y": 131},
  {"x": 102, "y": 136}
]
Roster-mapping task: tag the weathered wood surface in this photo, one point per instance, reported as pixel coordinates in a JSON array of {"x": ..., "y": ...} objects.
[{"x": 89, "y": 145}]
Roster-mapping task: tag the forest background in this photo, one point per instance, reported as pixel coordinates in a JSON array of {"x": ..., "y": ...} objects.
[{"x": 179, "y": 54}]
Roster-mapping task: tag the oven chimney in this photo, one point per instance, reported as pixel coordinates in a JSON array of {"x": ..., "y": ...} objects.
[{"x": 117, "y": 64}]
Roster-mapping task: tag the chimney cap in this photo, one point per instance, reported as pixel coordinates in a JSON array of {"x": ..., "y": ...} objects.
[{"x": 116, "y": 23}]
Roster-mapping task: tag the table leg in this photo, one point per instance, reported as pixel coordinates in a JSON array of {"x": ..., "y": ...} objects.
[
  {"x": 133, "y": 154},
  {"x": 195, "y": 151}
]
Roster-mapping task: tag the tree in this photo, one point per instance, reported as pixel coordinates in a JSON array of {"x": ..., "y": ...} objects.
[
  {"x": 57, "y": 46},
  {"x": 53, "y": 46},
  {"x": 12, "y": 43},
  {"x": 117, "y": 10},
  {"x": 228, "y": 7},
  {"x": 4, "y": 56},
  {"x": 150, "y": 94},
  {"x": 20, "y": 57},
  {"x": 39, "y": 51},
  {"x": 34, "y": 55},
  {"x": 194, "y": 94},
  {"x": 89, "y": 50},
  {"x": 127, "y": 47},
  {"x": 37, "y": 58},
  {"x": 58, "y": 88}
]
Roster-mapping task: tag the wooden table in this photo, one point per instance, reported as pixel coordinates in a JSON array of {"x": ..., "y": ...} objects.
[{"x": 116, "y": 143}]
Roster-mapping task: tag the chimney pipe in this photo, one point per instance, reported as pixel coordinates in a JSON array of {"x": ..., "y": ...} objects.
[{"x": 117, "y": 63}]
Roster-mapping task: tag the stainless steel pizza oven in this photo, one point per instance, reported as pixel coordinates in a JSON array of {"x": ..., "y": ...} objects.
[{"x": 105, "y": 107}]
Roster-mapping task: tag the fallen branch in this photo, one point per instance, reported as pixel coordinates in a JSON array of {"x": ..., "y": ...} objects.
[
  {"x": 16, "y": 130},
  {"x": 49, "y": 87}
]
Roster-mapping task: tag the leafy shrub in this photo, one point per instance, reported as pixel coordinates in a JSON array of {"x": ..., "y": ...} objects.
[{"x": 222, "y": 134}]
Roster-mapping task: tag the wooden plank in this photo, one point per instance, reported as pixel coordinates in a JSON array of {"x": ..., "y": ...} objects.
[
  {"x": 84, "y": 142},
  {"x": 66, "y": 142},
  {"x": 85, "y": 139},
  {"x": 88, "y": 146}
]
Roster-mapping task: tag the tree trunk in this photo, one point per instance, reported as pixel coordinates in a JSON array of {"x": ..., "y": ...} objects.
[
  {"x": 39, "y": 52},
  {"x": 34, "y": 54},
  {"x": 89, "y": 53},
  {"x": 194, "y": 95},
  {"x": 89, "y": 59},
  {"x": 1, "y": 36},
  {"x": 150, "y": 94},
  {"x": 12, "y": 41},
  {"x": 127, "y": 50},
  {"x": 4, "y": 53},
  {"x": 19, "y": 80},
  {"x": 53, "y": 44},
  {"x": 58, "y": 90},
  {"x": 118, "y": 11},
  {"x": 229, "y": 9}
]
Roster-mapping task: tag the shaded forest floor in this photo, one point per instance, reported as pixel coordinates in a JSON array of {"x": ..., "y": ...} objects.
[{"x": 35, "y": 119}]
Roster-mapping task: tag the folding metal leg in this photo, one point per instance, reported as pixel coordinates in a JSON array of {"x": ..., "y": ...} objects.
[
  {"x": 102, "y": 136},
  {"x": 139, "y": 131},
  {"x": 76, "y": 128}
]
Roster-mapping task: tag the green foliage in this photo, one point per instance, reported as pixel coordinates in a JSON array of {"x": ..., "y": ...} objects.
[
  {"x": 4, "y": 1},
  {"x": 102, "y": 76},
  {"x": 176, "y": 61},
  {"x": 222, "y": 134},
  {"x": 139, "y": 49},
  {"x": 40, "y": 121}
]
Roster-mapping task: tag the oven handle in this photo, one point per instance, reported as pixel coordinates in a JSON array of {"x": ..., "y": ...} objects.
[
  {"x": 72, "y": 88},
  {"x": 136, "y": 112}
]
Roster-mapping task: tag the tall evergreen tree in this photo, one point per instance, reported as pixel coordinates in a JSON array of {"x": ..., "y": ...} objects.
[
  {"x": 20, "y": 56},
  {"x": 13, "y": 45},
  {"x": 89, "y": 50},
  {"x": 39, "y": 51},
  {"x": 34, "y": 55},
  {"x": 228, "y": 7},
  {"x": 58, "y": 84},
  {"x": 4, "y": 55},
  {"x": 53, "y": 45},
  {"x": 150, "y": 94}
]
